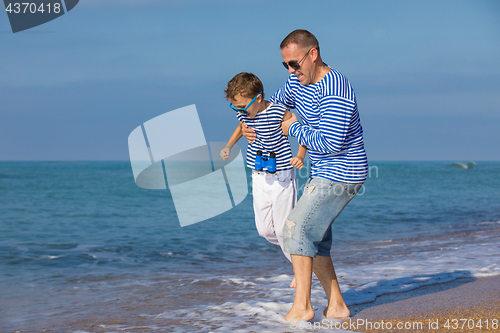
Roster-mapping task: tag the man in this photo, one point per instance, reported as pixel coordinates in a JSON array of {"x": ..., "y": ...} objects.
[{"x": 333, "y": 135}]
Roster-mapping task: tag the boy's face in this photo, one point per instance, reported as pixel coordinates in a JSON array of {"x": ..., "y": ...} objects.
[{"x": 242, "y": 102}]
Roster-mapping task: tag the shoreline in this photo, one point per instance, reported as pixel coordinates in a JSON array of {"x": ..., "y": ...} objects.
[{"x": 463, "y": 305}]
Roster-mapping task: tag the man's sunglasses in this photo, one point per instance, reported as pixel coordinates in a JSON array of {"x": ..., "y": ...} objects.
[
  {"x": 244, "y": 110},
  {"x": 294, "y": 64}
]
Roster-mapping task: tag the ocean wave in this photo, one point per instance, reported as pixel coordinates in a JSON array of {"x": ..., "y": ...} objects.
[{"x": 468, "y": 165}]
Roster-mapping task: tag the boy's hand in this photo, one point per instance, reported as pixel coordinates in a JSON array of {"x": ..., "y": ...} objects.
[
  {"x": 248, "y": 133},
  {"x": 224, "y": 153},
  {"x": 297, "y": 162}
]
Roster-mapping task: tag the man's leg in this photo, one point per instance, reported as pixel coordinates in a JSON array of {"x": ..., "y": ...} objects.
[
  {"x": 307, "y": 232},
  {"x": 301, "y": 308},
  {"x": 322, "y": 265},
  {"x": 325, "y": 272}
]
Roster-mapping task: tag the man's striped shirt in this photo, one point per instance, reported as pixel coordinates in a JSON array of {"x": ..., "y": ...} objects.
[
  {"x": 270, "y": 138},
  {"x": 331, "y": 128}
]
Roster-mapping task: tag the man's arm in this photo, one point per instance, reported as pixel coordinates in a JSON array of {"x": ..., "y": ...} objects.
[
  {"x": 286, "y": 123},
  {"x": 248, "y": 133},
  {"x": 333, "y": 126},
  {"x": 284, "y": 95},
  {"x": 237, "y": 134}
]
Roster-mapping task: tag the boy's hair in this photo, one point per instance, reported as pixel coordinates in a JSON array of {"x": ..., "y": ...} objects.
[
  {"x": 246, "y": 84},
  {"x": 303, "y": 38}
]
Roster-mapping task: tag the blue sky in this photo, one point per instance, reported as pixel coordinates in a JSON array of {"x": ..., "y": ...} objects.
[{"x": 426, "y": 73}]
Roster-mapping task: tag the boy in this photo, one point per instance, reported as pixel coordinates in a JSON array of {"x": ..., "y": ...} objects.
[{"x": 274, "y": 193}]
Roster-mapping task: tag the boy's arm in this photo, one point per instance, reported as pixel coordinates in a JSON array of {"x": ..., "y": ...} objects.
[
  {"x": 287, "y": 115},
  {"x": 302, "y": 152},
  {"x": 297, "y": 161},
  {"x": 237, "y": 134}
]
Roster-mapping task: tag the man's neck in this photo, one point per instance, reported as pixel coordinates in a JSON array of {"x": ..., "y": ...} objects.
[{"x": 320, "y": 71}]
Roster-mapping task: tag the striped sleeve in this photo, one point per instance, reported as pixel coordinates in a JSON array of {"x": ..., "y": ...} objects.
[
  {"x": 330, "y": 136},
  {"x": 284, "y": 95}
]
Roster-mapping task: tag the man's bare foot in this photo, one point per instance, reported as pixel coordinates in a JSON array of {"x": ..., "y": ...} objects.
[
  {"x": 294, "y": 316},
  {"x": 293, "y": 284},
  {"x": 337, "y": 313}
]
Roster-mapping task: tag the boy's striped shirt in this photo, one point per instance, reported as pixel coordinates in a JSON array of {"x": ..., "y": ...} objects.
[{"x": 270, "y": 138}]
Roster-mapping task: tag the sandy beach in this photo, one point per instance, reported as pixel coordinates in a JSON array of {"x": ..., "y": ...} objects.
[{"x": 463, "y": 305}]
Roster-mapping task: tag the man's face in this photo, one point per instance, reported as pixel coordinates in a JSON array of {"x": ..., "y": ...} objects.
[{"x": 293, "y": 53}]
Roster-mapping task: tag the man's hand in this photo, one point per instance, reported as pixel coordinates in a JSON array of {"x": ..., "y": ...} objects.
[
  {"x": 248, "y": 133},
  {"x": 224, "y": 153},
  {"x": 286, "y": 124},
  {"x": 297, "y": 162}
]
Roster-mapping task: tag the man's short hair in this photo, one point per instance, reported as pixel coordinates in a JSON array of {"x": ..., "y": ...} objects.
[
  {"x": 303, "y": 38},
  {"x": 246, "y": 84}
]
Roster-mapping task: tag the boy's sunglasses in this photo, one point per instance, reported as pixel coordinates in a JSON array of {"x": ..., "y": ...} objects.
[
  {"x": 244, "y": 110},
  {"x": 294, "y": 64}
]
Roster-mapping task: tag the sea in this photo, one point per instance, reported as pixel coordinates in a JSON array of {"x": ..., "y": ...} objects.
[{"x": 84, "y": 249}]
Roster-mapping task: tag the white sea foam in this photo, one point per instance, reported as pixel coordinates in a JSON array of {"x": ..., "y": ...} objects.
[
  {"x": 272, "y": 298},
  {"x": 48, "y": 257},
  {"x": 468, "y": 165}
]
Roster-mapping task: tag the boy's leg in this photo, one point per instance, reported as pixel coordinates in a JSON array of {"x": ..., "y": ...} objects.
[
  {"x": 284, "y": 198},
  {"x": 262, "y": 206}
]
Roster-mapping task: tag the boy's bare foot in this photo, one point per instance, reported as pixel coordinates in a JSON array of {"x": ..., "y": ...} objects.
[
  {"x": 293, "y": 284},
  {"x": 337, "y": 313},
  {"x": 294, "y": 316}
]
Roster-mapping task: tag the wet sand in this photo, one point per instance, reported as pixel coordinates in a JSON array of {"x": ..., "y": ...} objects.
[{"x": 463, "y": 305}]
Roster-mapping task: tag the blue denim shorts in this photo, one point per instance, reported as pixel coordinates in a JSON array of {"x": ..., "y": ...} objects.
[{"x": 307, "y": 230}]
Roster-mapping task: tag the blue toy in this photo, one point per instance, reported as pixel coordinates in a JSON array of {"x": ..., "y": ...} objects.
[{"x": 268, "y": 162}]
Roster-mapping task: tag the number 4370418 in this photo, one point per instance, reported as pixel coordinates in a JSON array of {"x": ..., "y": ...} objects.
[
  {"x": 464, "y": 324},
  {"x": 26, "y": 7}
]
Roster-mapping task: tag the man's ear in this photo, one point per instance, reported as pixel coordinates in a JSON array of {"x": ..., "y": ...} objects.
[{"x": 314, "y": 53}]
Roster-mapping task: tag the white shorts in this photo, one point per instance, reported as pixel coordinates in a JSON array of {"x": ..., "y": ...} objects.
[{"x": 274, "y": 196}]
